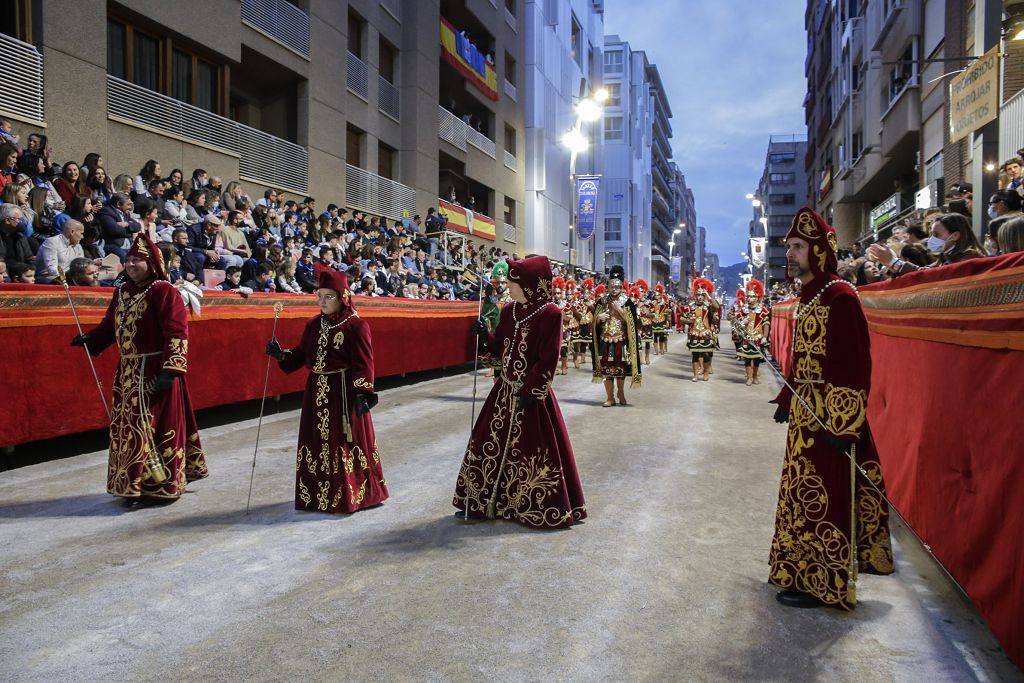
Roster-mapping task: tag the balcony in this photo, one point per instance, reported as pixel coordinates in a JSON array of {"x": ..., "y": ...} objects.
[
  {"x": 1011, "y": 126},
  {"x": 378, "y": 195},
  {"x": 388, "y": 100},
  {"x": 481, "y": 142},
  {"x": 510, "y": 91},
  {"x": 357, "y": 77},
  {"x": 21, "y": 88},
  {"x": 262, "y": 158},
  {"x": 279, "y": 20},
  {"x": 511, "y": 161},
  {"x": 901, "y": 122},
  {"x": 510, "y": 233},
  {"x": 456, "y": 131}
]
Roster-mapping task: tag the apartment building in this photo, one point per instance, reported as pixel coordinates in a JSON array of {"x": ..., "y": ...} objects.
[{"x": 780, "y": 194}]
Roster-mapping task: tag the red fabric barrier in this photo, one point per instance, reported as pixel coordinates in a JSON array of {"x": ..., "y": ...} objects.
[
  {"x": 51, "y": 392},
  {"x": 947, "y": 349}
]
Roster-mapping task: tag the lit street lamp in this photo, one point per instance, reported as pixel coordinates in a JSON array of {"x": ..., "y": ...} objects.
[{"x": 587, "y": 109}]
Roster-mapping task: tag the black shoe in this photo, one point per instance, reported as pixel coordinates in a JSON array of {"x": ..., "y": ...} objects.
[
  {"x": 798, "y": 600},
  {"x": 143, "y": 502},
  {"x": 471, "y": 517}
]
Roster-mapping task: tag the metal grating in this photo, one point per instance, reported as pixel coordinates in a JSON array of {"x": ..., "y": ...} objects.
[
  {"x": 451, "y": 128},
  {"x": 358, "y": 76},
  {"x": 1011, "y": 127},
  {"x": 280, "y": 20},
  {"x": 21, "y": 86},
  {"x": 376, "y": 194},
  {"x": 263, "y": 157},
  {"x": 387, "y": 98},
  {"x": 481, "y": 142},
  {"x": 510, "y": 233},
  {"x": 510, "y": 161},
  {"x": 510, "y": 90}
]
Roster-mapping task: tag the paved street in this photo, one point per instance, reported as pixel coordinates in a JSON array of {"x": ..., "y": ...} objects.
[{"x": 665, "y": 581}]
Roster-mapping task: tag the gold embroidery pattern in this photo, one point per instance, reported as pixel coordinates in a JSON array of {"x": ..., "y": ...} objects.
[
  {"x": 321, "y": 497},
  {"x": 845, "y": 409},
  {"x": 806, "y": 226},
  {"x": 339, "y": 339},
  {"x": 362, "y": 383},
  {"x": 177, "y": 360},
  {"x": 304, "y": 493}
]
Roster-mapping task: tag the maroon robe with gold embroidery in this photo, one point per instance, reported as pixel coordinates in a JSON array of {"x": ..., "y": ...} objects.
[
  {"x": 519, "y": 464},
  {"x": 154, "y": 440},
  {"x": 337, "y": 465}
]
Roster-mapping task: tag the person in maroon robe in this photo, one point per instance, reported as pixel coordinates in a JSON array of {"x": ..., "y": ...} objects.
[
  {"x": 337, "y": 465},
  {"x": 830, "y": 523},
  {"x": 154, "y": 441},
  {"x": 519, "y": 463}
]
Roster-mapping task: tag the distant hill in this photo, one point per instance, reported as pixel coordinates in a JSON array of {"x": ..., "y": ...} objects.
[{"x": 730, "y": 277}]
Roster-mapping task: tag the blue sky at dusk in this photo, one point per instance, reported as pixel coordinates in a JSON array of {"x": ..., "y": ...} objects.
[{"x": 733, "y": 72}]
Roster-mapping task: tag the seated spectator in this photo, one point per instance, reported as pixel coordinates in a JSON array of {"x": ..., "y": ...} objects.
[
  {"x": 234, "y": 236},
  {"x": 214, "y": 184},
  {"x": 22, "y": 273},
  {"x": 175, "y": 180},
  {"x": 195, "y": 209},
  {"x": 42, "y": 213},
  {"x": 916, "y": 254},
  {"x": 7, "y": 134},
  {"x": 150, "y": 171},
  {"x": 305, "y": 274},
  {"x": 8, "y": 164},
  {"x": 232, "y": 279},
  {"x": 56, "y": 253},
  {"x": 18, "y": 196},
  {"x": 270, "y": 199},
  {"x": 193, "y": 260},
  {"x": 1003, "y": 206},
  {"x": 959, "y": 206},
  {"x": 367, "y": 286},
  {"x": 116, "y": 225},
  {"x": 1011, "y": 236},
  {"x": 952, "y": 239},
  {"x": 1014, "y": 181},
  {"x": 324, "y": 264},
  {"x": 82, "y": 272},
  {"x": 98, "y": 185},
  {"x": 218, "y": 256},
  {"x": 123, "y": 184},
  {"x": 147, "y": 213},
  {"x": 34, "y": 167},
  {"x": 15, "y": 247},
  {"x": 173, "y": 211},
  {"x": 231, "y": 195},
  {"x": 263, "y": 279},
  {"x": 286, "y": 280},
  {"x": 70, "y": 182},
  {"x": 199, "y": 180},
  {"x": 93, "y": 160}
]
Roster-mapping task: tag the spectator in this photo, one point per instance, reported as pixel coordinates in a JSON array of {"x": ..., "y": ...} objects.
[
  {"x": 148, "y": 217},
  {"x": 867, "y": 273},
  {"x": 304, "y": 273},
  {"x": 99, "y": 186},
  {"x": 952, "y": 239},
  {"x": 22, "y": 273},
  {"x": 234, "y": 236},
  {"x": 286, "y": 281},
  {"x": 263, "y": 279},
  {"x": 150, "y": 172},
  {"x": 199, "y": 180},
  {"x": 42, "y": 213},
  {"x": 916, "y": 254},
  {"x": 1011, "y": 236},
  {"x": 38, "y": 145},
  {"x": 84, "y": 211},
  {"x": 232, "y": 279},
  {"x": 18, "y": 196},
  {"x": 270, "y": 199},
  {"x": 8, "y": 164},
  {"x": 1013, "y": 169},
  {"x": 116, "y": 225},
  {"x": 70, "y": 182},
  {"x": 82, "y": 272},
  {"x": 195, "y": 209},
  {"x": 192, "y": 260},
  {"x": 218, "y": 256},
  {"x": 173, "y": 211},
  {"x": 57, "y": 252},
  {"x": 15, "y": 247},
  {"x": 231, "y": 195},
  {"x": 93, "y": 160},
  {"x": 176, "y": 180},
  {"x": 214, "y": 184},
  {"x": 7, "y": 133},
  {"x": 1003, "y": 206},
  {"x": 122, "y": 184},
  {"x": 35, "y": 168}
]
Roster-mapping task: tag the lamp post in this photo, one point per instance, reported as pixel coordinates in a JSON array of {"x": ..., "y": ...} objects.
[
  {"x": 755, "y": 201},
  {"x": 588, "y": 109}
]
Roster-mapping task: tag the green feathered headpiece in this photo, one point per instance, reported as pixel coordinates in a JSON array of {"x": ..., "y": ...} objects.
[{"x": 500, "y": 269}]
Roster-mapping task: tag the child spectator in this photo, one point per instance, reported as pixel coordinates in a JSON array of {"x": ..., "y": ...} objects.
[
  {"x": 286, "y": 281},
  {"x": 232, "y": 279},
  {"x": 263, "y": 280},
  {"x": 22, "y": 273}
]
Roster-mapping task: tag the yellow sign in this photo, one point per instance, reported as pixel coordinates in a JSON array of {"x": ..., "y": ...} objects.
[{"x": 974, "y": 96}]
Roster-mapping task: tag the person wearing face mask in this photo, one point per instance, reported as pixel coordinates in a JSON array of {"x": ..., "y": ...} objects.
[
  {"x": 1003, "y": 206},
  {"x": 952, "y": 239}
]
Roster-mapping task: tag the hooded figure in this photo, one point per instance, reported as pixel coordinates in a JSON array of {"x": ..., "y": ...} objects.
[
  {"x": 338, "y": 466},
  {"x": 818, "y": 550},
  {"x": 519, "y": 463},
  {"x": 154, "y": 441}
]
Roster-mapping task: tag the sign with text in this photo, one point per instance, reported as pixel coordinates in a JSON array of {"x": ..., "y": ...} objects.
[
  {"x": 886, "y": 210},
  {"x": 974, "y": 96},
  {"x": 586, "y": 211}
]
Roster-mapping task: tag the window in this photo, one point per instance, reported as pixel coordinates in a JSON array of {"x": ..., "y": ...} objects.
[
  {"x": 777, "y": 221},
  {"x": 613, "y": 128},
  {"x": 510, "y": 139},
  {"x": 614, "y": 95},
  {"x": 575, "y": 47},
  {"x": 933, "y": 169},
  {"x": 388, "y": 60},
  {"x": 207, "y": 85},
  {"x": 510, "y": 5},
  {"x": 181, "y": 76},
  {"x": 353, "y": 146},
  {"x": 782, "y": 178},
  {"x": 781, "y": 157},
  {"x": 613, "y": 62},
  {"x": 613, "y": 229},
  {"x": 510, "y": 211},
  {"x": 145, "y": 60},
  {"x": 510, "y": 68},
  {"x": 116, "y": 36},
  {"x": 355, "y": 34},
  {"x": 781, "y": 199},
  {"x": 385, "y": 161},
  {"x": 612, "y": 258},
  {"x": 857, "y": 145}
]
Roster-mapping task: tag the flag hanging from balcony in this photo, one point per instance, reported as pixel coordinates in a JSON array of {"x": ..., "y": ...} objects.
[
  {"x": 457, "y": 50},
  {"x": 586, "y": 209},
  {"x": 463, "y": 220}
]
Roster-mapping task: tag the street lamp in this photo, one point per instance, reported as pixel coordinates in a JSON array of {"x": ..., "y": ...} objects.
[
  {"x": 587, "y": 109},
  {"x": 756, "y": 203},
  {"x": 577, "y": 143}
]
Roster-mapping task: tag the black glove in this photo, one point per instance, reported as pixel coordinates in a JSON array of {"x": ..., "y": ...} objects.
[
  {"x": 80, "y": 340},
  {"x": 274, "y": 350},
  {"x": 781, "y": 415},
  {"x": 525, "y": 402},
  {"x": 480, "y": 328},
  {"x": 362, "y": 404},
  {"x": 164, "y": 382}
]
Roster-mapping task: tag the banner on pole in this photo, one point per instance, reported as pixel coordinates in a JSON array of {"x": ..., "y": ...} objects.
[
  {"x": 677, "y": 268},
  {"x": 586, "y": 213},
  {"x": 757, "y": 251}
]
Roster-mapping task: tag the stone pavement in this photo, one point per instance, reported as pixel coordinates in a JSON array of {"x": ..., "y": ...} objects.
[{"x": 665, "y": 581}]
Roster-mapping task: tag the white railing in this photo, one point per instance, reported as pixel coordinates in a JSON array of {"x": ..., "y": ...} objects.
[
  {"x": 510, "y": 161},
  {"x": 358, "y": 77},
  {"x": 279, "y": 19},
  {"x": 21, "y": 83},
  {"x": 510, "y": 90},
  {"x": 481, "y": 142},
  {"x": 510, "y": 19},
  {"x": 510, "y": 233},
  {"x": 392, "y": 7},
  {"x": 262, "y": 157},
  {"x": 451, "y": 128},
  {"x": 387, "y": 98},
  {"x": 1011, "y": 126},
  {"x": 376, "y": 194}
]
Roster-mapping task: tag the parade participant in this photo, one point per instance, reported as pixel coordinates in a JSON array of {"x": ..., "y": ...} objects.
[
  {"x": 337, "y": 464},
  {"x": 519, "y": 463},
  {"x": 700, "y": 317},
  {"x": 616, "y": 347},
  {"x": 660, "y": 319},
  {"x": 753, "y": 327},
  {"x": 585, "y": 322},
  {"x": 558, "y": 298},
  {"x": 677, "y": 310},
  {"x": 496, "y": 297},
  {"x": 736, "y": 317},
  {"x": 154, "y": 441},
  {"x": 830, "y": 523},
  {"x": 638, "y": 295}
]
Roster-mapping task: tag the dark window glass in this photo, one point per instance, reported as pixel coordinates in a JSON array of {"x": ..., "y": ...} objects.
[
  {"x": 206, "y": 86},
  {"x": 353, "y": 138},
  {"x": 115, "y": 49},
  {"x": 181, "y": 76},
  {"x": 385, "y": 161},
  {"x": 146, "y": 61},
  {"x": 387, "y": 62}
]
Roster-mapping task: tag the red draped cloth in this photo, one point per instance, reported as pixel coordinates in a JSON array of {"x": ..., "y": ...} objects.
[
  {"x": 337, "y": 464},
  {"x": 519, "y": 464},
  {"x": 154, "y": 440},
  {"x": 830, "y": 522}
]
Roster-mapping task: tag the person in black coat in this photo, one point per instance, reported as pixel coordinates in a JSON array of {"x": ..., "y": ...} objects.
[
  {"x": 116, "y": 225},
  {"x": 193, "y": 259},
  {"x": 14, "y": 246}
]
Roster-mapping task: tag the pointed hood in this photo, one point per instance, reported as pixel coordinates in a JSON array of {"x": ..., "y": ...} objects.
[
  {"x": 533, "y": 274},
  {"x": 143, "y": 248},
  {"x": 820, "y": 237},
  {"x": 338, "y": 281}
]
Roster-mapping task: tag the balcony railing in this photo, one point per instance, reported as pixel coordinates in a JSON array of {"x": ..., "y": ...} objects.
[
  {"x": 452, "y": 128},
  {"x": 509, "y": 233},
  {"x": 388, "y": 99},
  {"x": 262, "y": 158},
  {"x": 377, "y": 195},
  {"x": 510, "y": 90},
  {"x": 280, "y": 20},
  {"x": 481, "y": 142},
  {"x": 358, "y": 76},
  {"x": 1011, "y": 126},
  {"x": 510, "y": 161},
  {"x": 21, "y": 87}
]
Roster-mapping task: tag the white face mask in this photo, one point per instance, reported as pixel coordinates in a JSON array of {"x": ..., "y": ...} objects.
[
  {"x": 936, "y": 245},
  {"x": 992, "y": 213}
]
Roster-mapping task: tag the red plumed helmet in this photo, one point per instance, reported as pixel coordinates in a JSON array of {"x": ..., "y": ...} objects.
[
  {"x": 741, "y": 296},
  {"x": 755, "y": 287},
  {"x": 558, "y": 282},
  {"x": 634, "y": 292},
  {"x": 642, "y": 284},
  {"x": 588, "y": 283},
  {"x": 570, "y": 284},
  {"x": 659, "y": 288},
  {"x": 626, "y": 285},
  {"x": 600, "y": 289},
  {"x": 705, "y": 284}
]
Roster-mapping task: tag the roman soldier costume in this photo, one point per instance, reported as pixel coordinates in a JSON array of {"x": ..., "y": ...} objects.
[
  {"x": 736, "y": 315},
  {"x": 568, "y": 322},
  {"x": 753, "y": 326},
  {"x": 585, "y": 319},
  {"x": 616, "y": 347},
  {"x": 830, "y": 523},
  {"x": 701, "y": 318},
  {"x": 661, "y": 318}
]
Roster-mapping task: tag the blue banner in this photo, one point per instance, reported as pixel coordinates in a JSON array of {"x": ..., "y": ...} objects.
[
  {"x": 586, "y": 213},
  {"x": 677, "y": 268}
]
